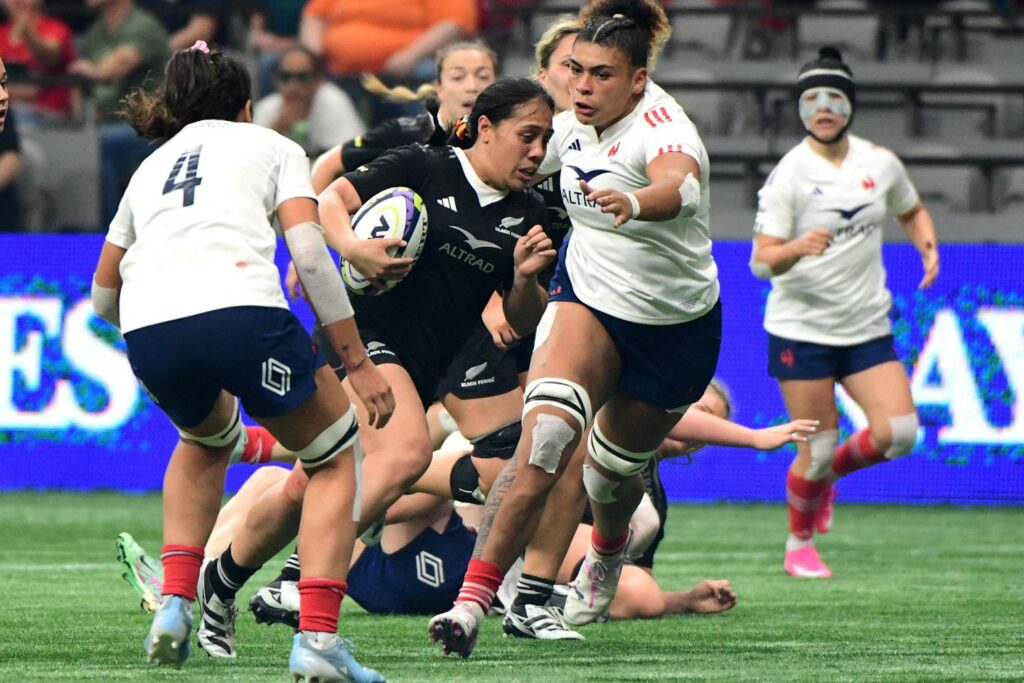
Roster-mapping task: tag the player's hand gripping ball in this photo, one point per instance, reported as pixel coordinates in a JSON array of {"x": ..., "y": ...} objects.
[{"x": 398, "y": 216}]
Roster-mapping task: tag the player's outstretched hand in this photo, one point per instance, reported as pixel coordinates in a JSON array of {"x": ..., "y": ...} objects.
[
  {"x": 930, "y": 262},
  {"x": 533, "y": 252},
  {"x": 374, "y": 391},
  {"x": 373, "y": 259},
  {"x": 291, "y": 282},
  {"x": 610, "y": 201},
  {"x": 814, "y": 243},
  {"x": 710, "y": 596},
  {"x": 770, "y": 438}
]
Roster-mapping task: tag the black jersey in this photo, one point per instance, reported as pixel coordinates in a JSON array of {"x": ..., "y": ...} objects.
[
  {"x": 472, "y": 231},
  {"x": 406, "y": 130}
]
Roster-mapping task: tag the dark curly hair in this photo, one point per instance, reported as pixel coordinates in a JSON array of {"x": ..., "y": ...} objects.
[{"x": 640, "y": 28}]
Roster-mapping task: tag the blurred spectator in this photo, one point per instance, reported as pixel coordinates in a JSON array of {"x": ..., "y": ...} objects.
[
  {"x": 34, "y": 45},
  {"x": 395, "y": 37},
  {"x": 313, "y": 112},
  {"x": 273, "y": 28},
  {"x": 122, "y": 47},
  {"x": 187, "y": 21},
  {"x": 10, "y": 160}
]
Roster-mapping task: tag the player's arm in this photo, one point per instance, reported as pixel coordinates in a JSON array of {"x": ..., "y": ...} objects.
[
  {"x": 525, "y": 299},
  {"x": 775, "y": 250},
  {"x": 497, "y": 324},
  {"x": 920, "y": 228},
  {"x": 698, "y": 428},
  {"x": 327, "y": 168},
  {"x": 106, "y": 284},
  {"x": 327, "y": 297},
  {"x": 674, "y": 188}
]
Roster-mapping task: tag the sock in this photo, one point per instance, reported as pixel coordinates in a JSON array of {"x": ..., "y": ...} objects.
[
  {"x": 319, "y": 604},
  {"x": 608, "y": 546},
  {"x": 227, "y": 576},
  {"x": 291, "y": 571},
  {"x": 533, "y": 590},
  {"x": 480, "y": 584},
  {"x": 804, "y": 497},
  {"x": 181, "y": 569},
  {"x": 856, "y": 453},
  {"x": 259, "y": 443}
]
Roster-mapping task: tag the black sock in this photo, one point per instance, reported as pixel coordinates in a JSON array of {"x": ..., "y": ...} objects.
[
  {"x": 290, "y": 571},
  {"x": 533, "y": 590},
  {"x": 227, "y": 576}
]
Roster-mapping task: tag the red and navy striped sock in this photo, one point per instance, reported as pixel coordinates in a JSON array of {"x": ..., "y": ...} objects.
[{"x": 480, "y": 583}]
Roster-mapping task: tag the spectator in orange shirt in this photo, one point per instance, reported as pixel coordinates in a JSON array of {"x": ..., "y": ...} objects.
[
  {"x": 396, "y": 37},
  {"x": 37, "y": 45}
]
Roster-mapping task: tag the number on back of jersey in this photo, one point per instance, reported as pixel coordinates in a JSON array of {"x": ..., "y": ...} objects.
[{"x": 192, "y": 179}]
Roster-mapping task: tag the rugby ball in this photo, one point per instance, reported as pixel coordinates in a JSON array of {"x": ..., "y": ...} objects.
[{"x": 395, "y": 212}]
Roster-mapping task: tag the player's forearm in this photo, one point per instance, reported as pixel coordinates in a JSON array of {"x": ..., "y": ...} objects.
[
  {"x": 697, "y": 425},
  {"x": 779, "y": 258},
  {"x": 346, "y": 342},
  {"x": 660, "y": 201},
  {"x": 920, "y": 228},
  {"x": 334, "y": 209},
  {"x": 524, "y": 304},
  {"x": 327, "y": 168}
]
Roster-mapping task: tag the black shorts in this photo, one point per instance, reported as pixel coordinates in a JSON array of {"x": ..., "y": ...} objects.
[
  {"x": 260, "y": 354},
  {"x": 481, "y": 369},
  {"x": 791, "y": 359}
]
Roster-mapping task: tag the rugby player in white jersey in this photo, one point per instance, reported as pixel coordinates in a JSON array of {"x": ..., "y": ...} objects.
[
  {"x": 187, "y": 273},
  {"x": 819, "y": 240},
  {"x": 635, "y": 279}
]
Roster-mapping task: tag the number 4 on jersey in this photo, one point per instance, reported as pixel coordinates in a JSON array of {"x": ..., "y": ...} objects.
[{"x": 188, "y": 185}]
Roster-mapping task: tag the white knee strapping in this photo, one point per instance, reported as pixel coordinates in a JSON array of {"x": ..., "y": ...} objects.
[
  {"x": 904, "y": 435},
  {"x": 643, "y": 526},
  {"x": 239, "y": 449},
  {"x": 823, "y": 452},
  {"x": 613, "y": 457},
  {"x": 221, "y": 439},
  {"x": 333, "y": 440},
  {"x": 562, "y": 394},
  {"x": 599, "y": 487},
  {"x": 550, "y": 437}
]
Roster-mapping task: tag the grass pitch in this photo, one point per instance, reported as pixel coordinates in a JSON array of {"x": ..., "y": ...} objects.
[{"x": 918, "y": 594}]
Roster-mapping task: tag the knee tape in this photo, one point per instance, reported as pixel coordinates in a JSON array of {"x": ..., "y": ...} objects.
[
  {"x": 223, "y": 438},
  {"x": 551, "y": 436},
  {"x": 333, "y": 440},
  {"x": 823, "y": 452},
  {"x": 239, "y": 450},
  {"x": 465, "y": 481},
  {"x": 615, "y": 458},
  {"x": 562, "y": 394},
  {"x": 599, "y": 487},
  {"x": 643, "y": 526},
  {"x": 904, "y": 435},
  {"x": 501, "y": 443}
]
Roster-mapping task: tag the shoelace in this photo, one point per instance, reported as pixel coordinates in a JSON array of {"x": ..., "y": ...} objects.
[{"x": 597, "y": 570}]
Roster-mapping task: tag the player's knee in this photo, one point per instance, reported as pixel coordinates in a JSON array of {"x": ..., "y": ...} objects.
[
  {"x": 464, "y": 481},
  {"x": 226, "y": 437},
  {"x": 338, "y": 436},
  {"x": 553, "y": 436},
  {"x": 263, "y": 478},
  {"x": 294, "y": 488},
  {"x": 500, "y": 443},
  {"x": 822, "y": 446},
  {"x": 903, "y": 435}
]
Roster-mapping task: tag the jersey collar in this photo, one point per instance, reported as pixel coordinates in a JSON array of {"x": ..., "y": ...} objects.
[{"x": 484, "y": 192}]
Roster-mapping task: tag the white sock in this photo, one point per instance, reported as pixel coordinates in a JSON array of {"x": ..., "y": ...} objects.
[
  {"x": 321, "y": 640},
  {"x": 794, "y": 543}
]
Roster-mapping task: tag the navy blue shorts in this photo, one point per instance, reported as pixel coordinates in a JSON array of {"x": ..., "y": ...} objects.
[
  {"x": 790, "y": 359},
  {"x": 424, "y": 577},
  {"x": 260, "y": 354},
  {"x": 668, "y": 366}
]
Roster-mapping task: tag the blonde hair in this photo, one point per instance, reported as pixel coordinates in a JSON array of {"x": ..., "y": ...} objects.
[
  {"x": 565, "y": 25},
  {"x": 402, "y": 93}
]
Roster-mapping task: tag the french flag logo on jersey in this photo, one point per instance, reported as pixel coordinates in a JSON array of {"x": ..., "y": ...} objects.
[
  {"x": 656, "y": 117},
  {"x": 614, "y": 150},
  {"x": 868, "y": 183}
]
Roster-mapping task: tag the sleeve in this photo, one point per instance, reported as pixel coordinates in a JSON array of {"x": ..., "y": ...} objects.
[
  {"x": 122, "y": 232},
  {"x": 902, "y": 195},
  {"x": 665, "y": 134},
  {"x": 293, "y": 179},
  {"x": 775, "y": 205},
  {"x": 462, "y": 12},
  {"x": 552, "y": 160},
  {"x": 400, "y": 167}
]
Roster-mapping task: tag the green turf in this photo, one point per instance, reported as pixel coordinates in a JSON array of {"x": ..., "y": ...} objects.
[{"x": 918, "y": 594}]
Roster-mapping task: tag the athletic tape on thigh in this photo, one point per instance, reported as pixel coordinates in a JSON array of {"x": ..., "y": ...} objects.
[
  {"x": 465, "y": 481},
  {"x": 613, "y": 457},
  {"x": 904, "y": 435},
  {"x": 333, "y": 440},
  {"x": 559, "y": 393},
  {"x": 223, "y": 438},
  {"x": 823, "y": 452},
  {"x": 500, "y": 443},
  {"x": 551, "y": 436},
  {"x": 544, "y": 325}
]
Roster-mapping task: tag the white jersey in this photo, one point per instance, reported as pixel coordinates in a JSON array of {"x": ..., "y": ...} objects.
[
  {"x": 840, "y": 297},
  {"x": 648, "y": 272},
  {"x": 195, "y": 221}
]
